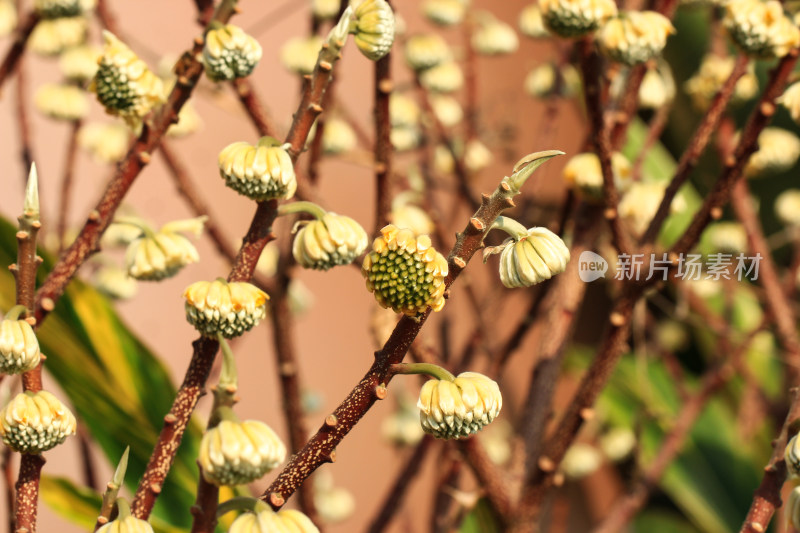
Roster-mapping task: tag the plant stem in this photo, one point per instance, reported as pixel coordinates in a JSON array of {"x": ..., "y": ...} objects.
[
  {"x": 14, "y": 54},
  {"x": 383, "y": 142},
  {"x": 510, "y": 226},
  {"x": 254, "y": 107},
  {"x": 294, "y": 208},
  {"x": 427, "y": 369},
  {"x": 27, "y": 486},
  {"x": 66, "y": 183}
]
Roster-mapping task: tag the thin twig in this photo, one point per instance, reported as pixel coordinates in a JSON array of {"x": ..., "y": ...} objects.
[
  {"x": 8, "y": 485},
  {"x": 383, "y": 142},
  {"x": 254, "y": 107},
  {"x": 107, "y": 18},
  {"x": 23, "y": 119},
  {"x": 14, "y": 54},
  {"x": 66, "y": 184}
]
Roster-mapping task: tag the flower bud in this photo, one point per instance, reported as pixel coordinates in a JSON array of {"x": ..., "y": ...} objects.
[
  {"x": 299, "y": 54},
  {"x": 493, "y": 37},
  {"x": 62, "y": 102},
  {"x": 53, "y": 9},
  {"x": 778, "y": 151},
  {"x": 79, "y": 63},
  {"x": 443, "y": 78},
  {"x": 761, "y": 29},
  {"x": 325, "y": 9},
  {"x": 128, "y": 524},
  {"x": 657, "y": 89},
  {"x": 332, "y": 240},
  {"x": 444, "y": 12},
  {"x": 404, "y": 272},
  {"x": 584, "y": 174},
  {"x": 115, "y": 283},
  {"x": 787, "y": 207},
  {"x": 107, "y": 142},
  {"x": 447, "y": 109},
  {"x": 334, "y": 504},
  {"x": 374, "y": 28},
  {"x": 338, "y": 136},
  {"x": 260, "y": 172},
  {"x": 714, "y": 70},
  {"x": 412, "y": 217},
  {"x": 235, "y": 453},
  {"x": 268, "y": 521},
  {"x": 477, "y": 156},
  {"x": 531, "y": 22},
  {"x": 51, "y": 37},
  {"x": 575, "y": 18},
  {"x": 532, "y": 259},
  {"x": 640, "y": 202},
  {"x": 618, "y": 443},
  {"x": 790, "y": 99},
  {"x": 793, "y": 508},
  {"x": 728, "y": 237},
  {"x": 405, "y": 138},
  {"x": 426, "y": 51},
  {"x": 8, "y": 17},
  {"x": 792, "y": 457},
  {"x": 402, "y": 427},
  {"x": 458, "y": 408},
  {"x": 230, "y": 53},
  {"x": 581, "y": 460},
  {"x": 158, "y": 255},
  {"x": 124, "y": 84},
  {"x": 34, "y": 422},
  {"x": 403, "y": 110},
  {"x": 19, "y": 347},
  {"x": 635, "y": 36},
  {"x": 228, "y": 308}
]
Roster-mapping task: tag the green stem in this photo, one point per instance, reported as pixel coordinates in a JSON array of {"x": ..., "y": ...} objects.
[
  {"x": 510, "y": 226},
  {"x": 14, "y": 312},
  {"x": 137, "y": 223},
  {"x": 241, "y": 503},
  {"x": 123, "y": 508},
  {"x": 423, "y": 368},
  {"x": 227, "y": 378},
  {"x": 302, "y": 207},
  {"x": 526, "y": 166}
]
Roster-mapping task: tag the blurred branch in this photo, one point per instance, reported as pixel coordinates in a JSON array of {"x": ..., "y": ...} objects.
[
  {"x": 14, "y": 53},
  {"x": 383, "y": 142}
]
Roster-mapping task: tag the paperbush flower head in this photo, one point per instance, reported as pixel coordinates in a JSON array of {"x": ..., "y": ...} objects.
[
  {"x": 729, "y": 237},
  {"x": 115, "y": 283},
  {"x": 403, "y": 110},
  {"x": 405, "y": 272},
  {"x": 447, "y": 109},
  {"x": 657, "y": 88},
  {"x": 583, "y": 173},
  {"x": 477, "y": 156},
  {"x": 235, "y": 453},
  {"x": 426, "y": 50},
  {"x": 51, "y": 37},
  {"x": 581, "y": 460},
  {"x": 787, "y": 207},
  {"x": 444, "y": 12},
  {"x": 541, "y": 81},
  {"x": 53, "y": 9},
  {"x": 299, "y": 54},
  {"x": 760, "y": 28},
  {"x": 640, "y": 202},
  {"x": 79, "y": 63},
  {"x": 268, "y": 521},
  {"x": 128, "y": 524},
  {"x": 329, "y": 241},
  {"x": 158, "y": 255},
  {"x": 338, "y": 136},
  {"x": 713, "y": 72},
  {"x": 34, "y": 422},
  {"x": 790, "y": 99},
  {"x": 458, "y": 408},
  {"x": 411, "y": 217},
  {"x": 778, "y": 151},
  {"x": 443, "y": 78},
  {"x": 333, "y": 503},
  {"x": 124, "y": 84},
  {"x": 528, "y": 259},
  {"x": 618, "y": 443},
  {"x": 62, "y": 102},
  {"x": 402, "y": 427},
  {"x": 261, "y": 172},
  {"x": 635, "y": 36},
  {"x": 494, "y": 37},
  {"x": 325, "y": 9},
  {"x": 8, "y": 17},
  {"x": 227, "y": 308},
  {"x": 107, "y": 142},
  {"x": 575, "y": 18},
  {"x": 374, "y": 28},
  {"x": 531, "y": 22},
  {"x": 19, "y": 347},
  {"x": 405, "y": 138},
  {"x": 230, "y": 53}
]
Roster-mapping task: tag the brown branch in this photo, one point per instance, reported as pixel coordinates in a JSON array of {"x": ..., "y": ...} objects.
[
  {"x": 30, "y": 468},
  {"x": 470, "y": 77},
  {"x": 66, "y": 183},
  {"x": 394, "y": 499},
  {"x": 254, "y": 107},
  {"x": 14, "y": 53},
  {"x": 628, "y": 105},
  {"x": 23, "y": 119},
  {"x": 204, "y": 509},
  {"x": 107, "y": 18},
  {"x": 383, "y": 142},
  {"x": 697, "y": 144},
  {"x": 87, "y": 461},
  {"x": 495, "y": 485},
  {"x": 8, "y": 485}
]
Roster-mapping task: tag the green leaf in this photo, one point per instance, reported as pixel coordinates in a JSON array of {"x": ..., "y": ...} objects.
[{"x": 480, "y": 519}]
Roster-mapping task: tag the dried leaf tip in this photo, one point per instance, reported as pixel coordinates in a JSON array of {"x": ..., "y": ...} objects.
[
  {"x": 30, "y": 208},
  {"x": 119, "y": 473},
  {"x": 527, "y": 166}
]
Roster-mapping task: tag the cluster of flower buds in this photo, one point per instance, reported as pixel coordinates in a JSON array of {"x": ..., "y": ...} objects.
[
  {"x": 229, "y": 309},
  {"x": 261, "y": 172},
  {"x": 760, "y": 28},
  {"x": 373, "y": 28},
  {"x": 405, "y": 272},
  {"x": 328, "y": 241},
  {"x": 584, "y": 174},
  {"x": 53, "y": 9},
  {"x": 229, "y": 53},
  {"x": 19, "y": 347},
  {"x": 156, "y": 255},
  {"x": 34, "y": 422},
  {"x": 635, "y": 36},
  {"x": 576, "y": 18},
  {"x": 235, "y": 453},
  {"x": 445, "y": 12},
  {"x": 61, "y": 101},
  {"x": 50, "y": 37},
  {"x": 713, "y": 72},
  {"x": 450, "y": 409}
]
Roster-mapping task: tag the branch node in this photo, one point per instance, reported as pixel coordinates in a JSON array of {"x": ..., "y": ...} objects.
[
  {"x": 558, "y": 479},
  {"x": 715, "y": 213},
  {"x": 287, "y": 370},
  {"x": 170, "y": 419},
  {"x": 546, "y": 464},
  {"x": 325, "y": 65},
  {"x": 48, "y": 304},
  {"x": 155, "y": 488},
  {"x": 767, "y": 109},
  {"x": 508, "y": 202},
  {"x": 477, "y": 224},
  {"x": 23, "y": 236},
  {"x": 94, "y": 216},
  {"x": 757, "y": 527},
  {"x": 610, "y": 213},
  {"x": 459, "y": 262},
  {"x": 276, "y": 500},
  {"x": 616, "y": 319},
  {"x": 198, "y": 41},
  {"x": 331, "y": 420},
  {"x": 587, "y": 413},
  {"x": 328, "y": 457},
  {"x": 380, "y": 391},
  {"x": 730, "y": 161},
  {"x": 385, "y": 86},
  {"x": 144, "y": 157}
]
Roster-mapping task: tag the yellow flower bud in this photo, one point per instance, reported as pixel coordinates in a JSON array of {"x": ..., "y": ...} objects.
[
  {"x": 494, "y": 37},
  {"x": 19, "y": 347},
  {"x": 458, "y": 408},
  {"x": 338, "y": 136},
  {"x": 230, "y": 53},
  {"x": 761, "y": 29},
  {"x": 447, "y": 109},
  {"x": 657, "y": 89},
  {"x": 334, "y": 504},
  {"x": 124, "y": 84},
  {"x": 268, "y": 521},
  {"x": 581, "y": 460},
  {"x": 531, "y": 22},
  {"x": 444, "y": 12},
  {"x": 729, "y": 237},
  {"x": 129, "y": 524},
  {"x": 778, "y": 151},
  {"x": 714, "y": 70},
  {"x": 374, "y": 28},
  {"x": 640, "y": 202},
  {"x": 477, "y": 156},
  {"x": 443, "y": 78},
  {"x": 635, "y": 36},
  {"x": 403, "y": 110},
  {"x": 260, "y": 172},
  {"x": 107, "y": 142},
  {"x": 228, "y": 308},
  {"x": 115, "y": 283},
  {"x": 534, "y": 258},
  {"x": 235, "y": 453},
  {"x": 583, "y": 173},
  {"x": 575, "y": 18},
  {"x": 405, "y": 272},
  {"x": 790, "y": 99},
  {"x": 34, "y": 422},
  {"x": 412, "y": 217},
  {"x": 325, "y": 9},
  {"x": 787, "y": 207},
  {"x": 62, "y": 102},
  {"x": 405, "y": 138},
  {"x": 51, "y": 37},
  {"x": 299, "y": 54},
  {"x": 8, "y": 17},
  {"x": 53, "y": 9},
  {"x": 426, "y": 51},
  {"x": 79, "y": 63},
  {"x": 332, "y": 240},
  {"x": 158, "y": 255}
]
